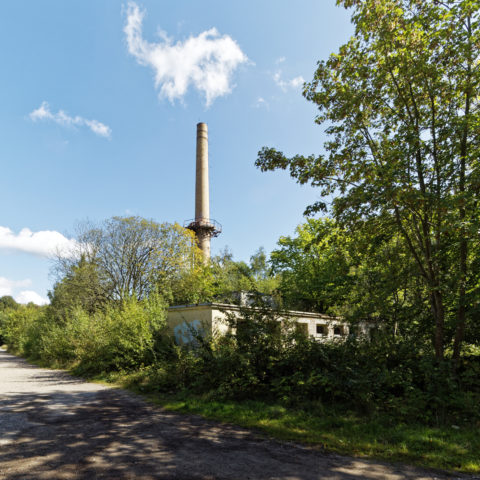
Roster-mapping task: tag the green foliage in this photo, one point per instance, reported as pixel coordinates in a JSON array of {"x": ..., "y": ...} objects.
[
  {"x": 314, "y": 267},
  {"x": 266, "y": 282},
  {"x": 230, "y": 276},
  {"x": 8, "y": 303},
  {"x": 327, "y": 269},
  {"x": 221, "y": 278},
  {"x": 17, "y": 325},
  {"x": 400, "y": 104},
  {"x": 123, "y": 257},
  {"x": 235, "y": 364},
  {"x": 81, "y": 288},
  {"x": 194, "y": 285},
  {"x": 122, "y": 337},
  {"x": 261, "y": 358}
]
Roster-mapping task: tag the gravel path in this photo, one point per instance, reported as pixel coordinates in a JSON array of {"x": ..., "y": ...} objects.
[{"x": 53, "y": 426}]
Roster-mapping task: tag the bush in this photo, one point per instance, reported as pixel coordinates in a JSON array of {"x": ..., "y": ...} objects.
[
  {"x": 17, "y": 326},
  {"x": 260, "y": 360},
  {"x": 3, "y": 318},
  {"x": 120, "y": 338}
]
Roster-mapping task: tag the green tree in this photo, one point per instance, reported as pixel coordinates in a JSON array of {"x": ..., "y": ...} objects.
[
  {"x": 17, "y": 324},
  {"x": 265, "y": 280},
  {"x": 230, "y": 276},
  {"x": 386, "y": 287},
  {"x": 126, "y": 257},
  {"x": 82, "y": 286},
  {"x": 8, "y": 303},
  {"x": 400, "y": 101},
  {"x": 193, "y": 285},
  {"x": 314, "y": 267},
  {"x": 328, "y": 269},
  {"x": 221, "y": 277}
]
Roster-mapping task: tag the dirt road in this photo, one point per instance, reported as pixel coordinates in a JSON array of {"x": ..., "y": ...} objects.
[{"x": 53, "y": 426}]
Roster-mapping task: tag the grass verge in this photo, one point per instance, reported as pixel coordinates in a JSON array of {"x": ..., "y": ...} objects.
[{"x": 451, "y": 448}]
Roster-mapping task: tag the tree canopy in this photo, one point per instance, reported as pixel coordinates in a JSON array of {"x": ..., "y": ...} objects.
[
  {"x": 314, "y": 267},
  {"x": 124, "y": 257},
  {"x": 8, "y": 302},
  {"x": 401, "y": 107}
]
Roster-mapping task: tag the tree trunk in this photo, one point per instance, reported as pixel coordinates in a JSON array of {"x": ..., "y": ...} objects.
[
  {"x": 460, "y": 329},
  {"x": 439, "y": 315}
]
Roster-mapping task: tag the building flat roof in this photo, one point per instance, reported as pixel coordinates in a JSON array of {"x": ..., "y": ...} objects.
[{"x": 228, "y": 306}]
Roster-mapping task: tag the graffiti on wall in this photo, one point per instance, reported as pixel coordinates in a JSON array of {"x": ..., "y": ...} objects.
[{"x": 186, "y": 332}]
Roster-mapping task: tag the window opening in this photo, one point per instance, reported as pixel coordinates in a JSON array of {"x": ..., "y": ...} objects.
[
  {"x": 338, "y": 331},
  {"x": 322, "y": 330}
]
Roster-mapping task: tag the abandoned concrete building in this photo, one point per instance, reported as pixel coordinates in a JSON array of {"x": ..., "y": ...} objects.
[{"x": 209, "y": 319}]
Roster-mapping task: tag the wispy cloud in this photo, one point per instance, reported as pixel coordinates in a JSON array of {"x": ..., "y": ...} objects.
[
  {"x": 61, "y": 118},
  {"x": 280, "y": 60},
  {"x": 287, "y": 84},
  {"x": 261, "y": 102},
  {"x": 43, "y": 243},
  {"x": 206, "y": 62}
]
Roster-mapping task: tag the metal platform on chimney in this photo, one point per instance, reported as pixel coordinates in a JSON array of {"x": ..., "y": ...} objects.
[{"x": 204, "y": 225}]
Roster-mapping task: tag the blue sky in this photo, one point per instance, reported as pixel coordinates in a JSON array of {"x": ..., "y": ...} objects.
[{"x": 98, "y": 113}]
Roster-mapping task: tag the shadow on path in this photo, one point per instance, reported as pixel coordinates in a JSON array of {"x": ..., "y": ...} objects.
[{"x": 111, "y": 434}]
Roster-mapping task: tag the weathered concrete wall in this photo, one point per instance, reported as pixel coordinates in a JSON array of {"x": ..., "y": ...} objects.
[
  {"x": 184, "y": 320},
  {"x": 210, "y": 317}
]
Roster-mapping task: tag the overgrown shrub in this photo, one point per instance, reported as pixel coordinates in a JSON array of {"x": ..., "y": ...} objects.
[
  {"x": 17, "y": 326},
  {"x": 3, "y": 318},
  {"x": 120, "y": 338},
  {"x": 258, "y": 359}
]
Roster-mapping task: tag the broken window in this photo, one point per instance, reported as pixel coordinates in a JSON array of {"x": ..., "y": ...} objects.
[
  {"x": 322, "y": 330},
  {"x": 338, "y": 330}
]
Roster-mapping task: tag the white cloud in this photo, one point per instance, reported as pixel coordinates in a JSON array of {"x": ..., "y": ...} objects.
[
  {"x": 44, "y": 113},
  {"x": 7, "y": 286},
  {"x": 207, "y": 61},
  {"x": 43, "y": 243},
  {"x": 280, "y": 60},
  {"x": 27, "y": 296},
  {"x": 286, "y": 84}
]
